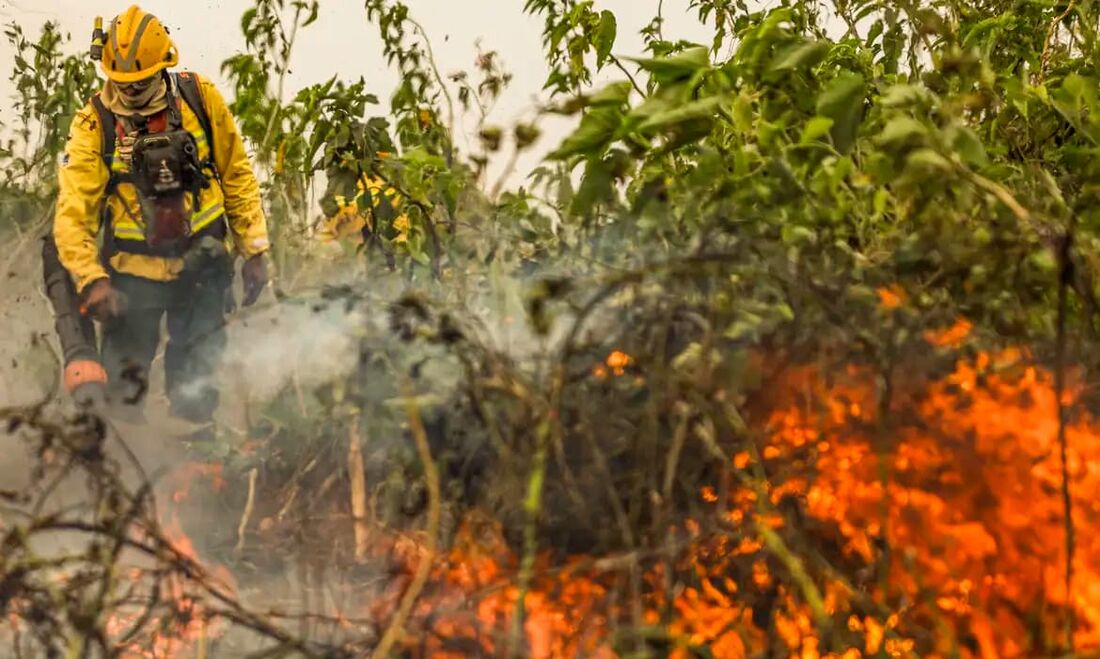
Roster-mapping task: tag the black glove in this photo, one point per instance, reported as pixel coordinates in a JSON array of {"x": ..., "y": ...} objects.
[{"x": 254, "y": 276}]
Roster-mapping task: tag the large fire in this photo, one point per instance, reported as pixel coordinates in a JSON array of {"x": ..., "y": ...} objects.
[
  {"x": 936, "y": 528},
  {"x": 949, "y": 513}
]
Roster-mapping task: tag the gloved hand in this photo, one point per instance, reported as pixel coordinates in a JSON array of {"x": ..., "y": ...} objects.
[
  {"x": 254, "y": 278},
  {"x": 101, "y": 301},
  {"x": 126, "y": 148}
]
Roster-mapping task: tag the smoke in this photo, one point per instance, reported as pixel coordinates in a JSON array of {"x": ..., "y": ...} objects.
[
  {"x": 304, "y": 343},
  {"x": 296, "y": 345},
  {"x": 314, "y": 337},
  {"x": 28, "y": 358}
]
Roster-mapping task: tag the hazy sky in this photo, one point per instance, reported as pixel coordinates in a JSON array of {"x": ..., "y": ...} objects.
[{"x": 342, "y": 42}]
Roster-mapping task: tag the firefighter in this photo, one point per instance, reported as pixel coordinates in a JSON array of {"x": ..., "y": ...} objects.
[
  {"x": 346, "y": 221},
  {"x": 157, "y": 197}
]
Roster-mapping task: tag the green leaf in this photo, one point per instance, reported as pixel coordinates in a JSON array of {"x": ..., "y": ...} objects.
[
  {"x": 901, "y": 129},
  {"x": 247, "y": 18},
  {"x": 1078, "y": 87},
  {"x": 969, "y": 146},
  {"x": 1075, "y": 99},
  {"x": 689, "y": 360},
  {"x": 314, "y": 9},
  {"x": 800, "y": 56},
  {"x": 904, "y": 96},
  {"x": 597, "y": 129},
  {"x": 988, "y": 26},
  {"x": 842, "y": 101},
  {"x": 705, "y": 108},
  {"x": 650, "y": 107},
  {"x": 882, "y": 197},
  {"x": 680, "y": 66},
  {"x": 875, "y": 32},
  {"x": 815, "y": 129},
  {"x": 742, "y": 110},
  {"x": 616, "y": 93},
  {"x": 526, "y": 135},
  {"x": 605, "y": 36},
  {"x": 1044, "y": 260},
  {"x": 928, "y": 160},
  {"x": 595, "y": 187},
  {"x": 746, "y": 326},
  {"x": 687, "y": 132},
  {"x": 793, "y": 234}
]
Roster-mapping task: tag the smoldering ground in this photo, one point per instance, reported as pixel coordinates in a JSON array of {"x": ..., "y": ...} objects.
[
  {"x": 291, "y": 353},
  {"x": 303, "y": 342}
]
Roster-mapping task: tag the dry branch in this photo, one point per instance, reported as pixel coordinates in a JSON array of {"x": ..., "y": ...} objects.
[
  {"x": 424, "y": 566},
  {"x": 358, "y": 480},
  {"x": 247, "y": 514}
]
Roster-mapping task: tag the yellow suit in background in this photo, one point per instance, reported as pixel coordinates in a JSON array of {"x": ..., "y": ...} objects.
[{"x": 348, "y": 221}]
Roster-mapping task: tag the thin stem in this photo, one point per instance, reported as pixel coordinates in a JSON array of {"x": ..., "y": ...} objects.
[
  {"x": 548, "y": 430},
  {"x": 509, "y": 169},
  {"x": 1048, "y": 44},
  {"x": 637, "y": 88},
  {"x": 661, "y": 20},
  {"x": 246, "y": 515},
  {"x": 1064, "y": 280},
  {"x": 438, "y": 78},
  {"x": 284, "y": 67},
  {"x": 423, "y": 568}
]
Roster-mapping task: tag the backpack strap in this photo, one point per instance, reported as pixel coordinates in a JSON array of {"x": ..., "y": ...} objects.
[
  {"x": 187, "y": 84},
  {"x": 108, "y": 128},
  {"x": 108, "y": 124}
]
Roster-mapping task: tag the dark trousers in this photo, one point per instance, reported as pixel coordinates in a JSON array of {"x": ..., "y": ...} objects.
[{"x": 195, "y": 310}]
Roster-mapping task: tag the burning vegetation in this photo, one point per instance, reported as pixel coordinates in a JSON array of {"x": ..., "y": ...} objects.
[
  {"x": 787, "y": 350},
  {"x": 819, "y": 519}
]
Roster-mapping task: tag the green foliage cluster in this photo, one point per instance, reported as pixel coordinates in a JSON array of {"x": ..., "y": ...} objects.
[
  {"x": 947, "y": 149},
  {"x": 50, "y": 86}
]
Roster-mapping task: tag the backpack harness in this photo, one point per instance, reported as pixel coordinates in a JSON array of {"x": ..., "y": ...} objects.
[{"x": 164, "y": 168}]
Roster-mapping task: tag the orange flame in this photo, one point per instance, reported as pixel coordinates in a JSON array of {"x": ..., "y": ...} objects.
[
  {"x": 950, "y": 514},
  {"x": 969, "y": 511},
  {"x": 891, "y": 297}
]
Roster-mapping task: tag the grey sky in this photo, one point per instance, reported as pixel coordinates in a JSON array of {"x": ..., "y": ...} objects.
[{"x": 343, "y": 43}]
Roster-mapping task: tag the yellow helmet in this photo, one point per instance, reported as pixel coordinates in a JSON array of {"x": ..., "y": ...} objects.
[{"x": 137, "y": 47}]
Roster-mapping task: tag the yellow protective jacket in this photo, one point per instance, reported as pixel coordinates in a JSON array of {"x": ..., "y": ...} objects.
[
  {"x": 348, "y": 222},
  {"x": 83, "y": 203}
]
